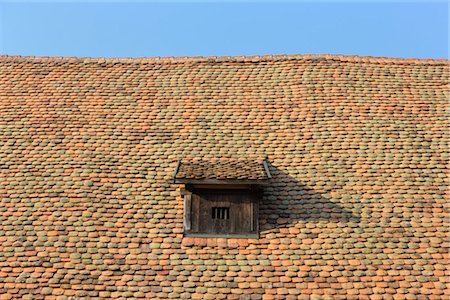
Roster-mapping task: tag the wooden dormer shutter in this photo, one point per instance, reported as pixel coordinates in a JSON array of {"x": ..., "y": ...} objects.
[
  {"x": 224, "y": 211},
  {"x": 222, "y": 196}
]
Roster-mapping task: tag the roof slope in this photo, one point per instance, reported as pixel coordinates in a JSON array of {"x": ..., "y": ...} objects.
[
  {"x": 357, "y": 206},
  {"x": 222, "y": 169}
]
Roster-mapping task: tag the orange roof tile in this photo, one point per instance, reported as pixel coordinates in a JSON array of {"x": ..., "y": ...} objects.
[{"x": 357, "y": 207}]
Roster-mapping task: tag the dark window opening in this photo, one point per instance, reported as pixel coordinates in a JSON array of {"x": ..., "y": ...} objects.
[{"x": 222, "y": 213}]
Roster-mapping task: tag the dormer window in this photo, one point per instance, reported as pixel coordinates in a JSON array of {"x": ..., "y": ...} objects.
[{"x": 221, "y": 196}]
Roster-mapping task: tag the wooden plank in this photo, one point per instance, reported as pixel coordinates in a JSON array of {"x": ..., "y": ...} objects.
[
  {"x": 251, "y": 210},
  {"x": 237, "y": 209},
  {"x": 176, "y": 170},
  {"x": 195, "y": 213},
  {"x": 266, "y": 167},
  {"x": 187, "y": 212},
  {"x": 205, "y": 220},
  {"x": 246, "y": 224},
  {"x": 255, "y": 203},
  {"x": 216, "y": 199}
]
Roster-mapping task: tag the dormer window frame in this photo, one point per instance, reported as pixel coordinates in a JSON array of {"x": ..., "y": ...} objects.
[
  {"x": 240, "y": 196},
  {"x": 199, "y": 199}
]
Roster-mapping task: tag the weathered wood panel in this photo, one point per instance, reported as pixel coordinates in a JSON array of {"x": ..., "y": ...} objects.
[
  {"x": 240, "y": 206},
  {"x": 187, "y": 218},
  {"x": 195, "y": 212}
]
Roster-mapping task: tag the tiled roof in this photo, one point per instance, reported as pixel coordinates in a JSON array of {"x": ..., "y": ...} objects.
[
  {"x": 221, "y": 169},
  {"x": 357, "y": 207}
]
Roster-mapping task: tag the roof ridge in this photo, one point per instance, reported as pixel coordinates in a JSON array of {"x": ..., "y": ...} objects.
[{"x": 237, "y": 58}]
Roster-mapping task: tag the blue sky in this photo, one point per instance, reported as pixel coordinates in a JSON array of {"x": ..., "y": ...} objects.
[{"x": 120, "y": 29}]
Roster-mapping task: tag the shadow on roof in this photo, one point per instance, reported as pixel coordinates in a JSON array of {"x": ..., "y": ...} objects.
[{"x": 287, "y": 202}]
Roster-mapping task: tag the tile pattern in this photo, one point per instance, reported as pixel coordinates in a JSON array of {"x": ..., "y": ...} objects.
[
  {"x": 357, "y": 207},
  {"x": 222, "y": 168}
]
